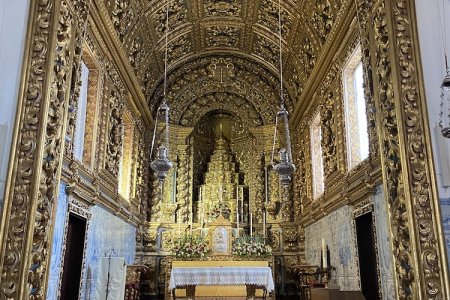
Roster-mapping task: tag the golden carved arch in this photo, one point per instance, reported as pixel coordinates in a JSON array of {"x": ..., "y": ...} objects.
[{"x": 256, "y": 87}]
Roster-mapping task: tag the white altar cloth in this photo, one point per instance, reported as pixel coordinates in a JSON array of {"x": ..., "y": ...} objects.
[{"x": 260, "y": 276}]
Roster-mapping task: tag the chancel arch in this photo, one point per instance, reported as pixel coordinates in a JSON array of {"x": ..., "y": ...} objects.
[{"x": 86, "y": 129}]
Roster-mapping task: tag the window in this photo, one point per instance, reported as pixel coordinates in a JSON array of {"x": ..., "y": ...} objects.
[
  {"x": 316, "y": 157},
  {"x": 81, "y": 114},
  {"x": 87, "y": 119},
  {"x": 126, "y": 164},
  {"x": 355, "y": 111}
]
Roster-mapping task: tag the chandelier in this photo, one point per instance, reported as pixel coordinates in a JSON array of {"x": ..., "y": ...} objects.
[
  {"x": 285, "y": 167},
  {"x": 162, "y": 164}
]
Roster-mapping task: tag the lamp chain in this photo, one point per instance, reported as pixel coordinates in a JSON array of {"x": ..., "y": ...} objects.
[
  {"x": 281, "y": 81},
  {"x": 444, "y": 96},
  {"x": 165, "y": 79},
  {"x": 165, "y": 52},
  {"x": 281, "y": 54}
]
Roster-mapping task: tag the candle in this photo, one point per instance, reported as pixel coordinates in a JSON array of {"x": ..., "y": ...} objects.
[
  {"x": 251, "y": 225},
  {"x": 202, "y": 215},
  {"x": 324, "y": 254},
  {"x": 220, "y": 199},
  {"x": 237, "y": 212},
  {"x": 264, "y": 225},
  {"x": 179, "y": 223},
  {"x": 174, "y": 185},
  {"x": 266, "y": 189},
  {"x": 242, "y": 199}
]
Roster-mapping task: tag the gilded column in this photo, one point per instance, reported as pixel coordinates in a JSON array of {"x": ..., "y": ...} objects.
[
  {"x": 155, "y": 201},
  {"x": 257, "y": 184},
  {"x": 182, "y": 184}
]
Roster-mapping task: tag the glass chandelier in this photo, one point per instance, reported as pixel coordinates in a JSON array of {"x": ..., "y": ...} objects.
[
  {"x": 162, "y": 164},
  {"x": 285, "y": 167}
]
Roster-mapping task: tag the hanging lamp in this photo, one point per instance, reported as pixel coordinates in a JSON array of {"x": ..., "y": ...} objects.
[
  {"x": 162, "y": 164},
  {"x": 285, "y": 167},
  {"x": 445, "y": 97},
  {"x": 445, "y": 85}
]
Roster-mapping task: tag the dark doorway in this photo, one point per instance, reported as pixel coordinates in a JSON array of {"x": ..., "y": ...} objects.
[
  {"x": 367, "y": 257},
  {"x": 73, "y": 257}
]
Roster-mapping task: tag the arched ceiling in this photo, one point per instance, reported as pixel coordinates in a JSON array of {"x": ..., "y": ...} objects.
[{"x": 244, "y": 31}]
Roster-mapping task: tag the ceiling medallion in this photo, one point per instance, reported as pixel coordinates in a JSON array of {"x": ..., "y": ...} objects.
[{"x": 221, "y": 69}]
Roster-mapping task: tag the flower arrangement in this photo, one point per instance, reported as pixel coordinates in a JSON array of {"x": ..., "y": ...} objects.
[
  {"x": 251, "y": 247},
  {"x": 188, "y": 247}
]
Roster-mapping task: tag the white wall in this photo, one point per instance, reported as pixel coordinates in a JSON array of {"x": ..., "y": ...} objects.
[
  {"x": 433, "y": 64},
  {"x": 13, "y": 23},
  {"x": 431, "y": 33}
]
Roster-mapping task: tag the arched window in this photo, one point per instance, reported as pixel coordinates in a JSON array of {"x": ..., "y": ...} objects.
[
  {"x": 126, "y": 164},
  {"x": 87, "y": 117},
  {"x": 81, "y": 113},
  {"x": 355, "y": 110},
  {"x": 316, "y": 157}
]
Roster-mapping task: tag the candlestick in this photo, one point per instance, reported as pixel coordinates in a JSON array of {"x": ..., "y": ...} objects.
[
  {"x": 251, "y": 225},
  {"x": 324, "y": 254}
]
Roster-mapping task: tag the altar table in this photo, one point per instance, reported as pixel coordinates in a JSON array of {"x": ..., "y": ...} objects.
[{"x": 252, "y": 277}]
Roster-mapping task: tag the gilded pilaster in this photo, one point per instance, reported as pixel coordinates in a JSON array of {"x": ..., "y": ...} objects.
[
  {"x": 420, "y": 266},
  {"x": 28, "y": 214}
]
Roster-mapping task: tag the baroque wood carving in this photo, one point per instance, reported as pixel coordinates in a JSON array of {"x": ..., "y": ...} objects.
[{"x": 29, "y": 204}]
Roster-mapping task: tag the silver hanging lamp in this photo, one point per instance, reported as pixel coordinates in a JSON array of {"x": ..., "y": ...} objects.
[
  {"x": 162, "y": 164},
  {"x": 285, "y": 168},
  {"x": 445, "y": 85},
  {"x": 445, "y": 97}
]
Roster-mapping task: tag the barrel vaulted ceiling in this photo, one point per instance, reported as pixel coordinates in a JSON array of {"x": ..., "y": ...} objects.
[{"x": 222, "y": 54}]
